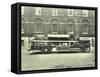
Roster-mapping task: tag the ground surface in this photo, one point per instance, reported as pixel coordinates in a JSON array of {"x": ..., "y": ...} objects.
[{"x": 56, "y": 60}]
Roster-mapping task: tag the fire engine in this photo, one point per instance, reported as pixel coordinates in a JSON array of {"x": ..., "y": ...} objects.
[{"x": 58, "y": 43}]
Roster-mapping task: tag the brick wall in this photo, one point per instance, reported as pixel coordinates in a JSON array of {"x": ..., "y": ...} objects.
[{"x": 62, "y": 18}]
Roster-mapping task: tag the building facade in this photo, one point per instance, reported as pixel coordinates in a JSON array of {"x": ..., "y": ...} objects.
[{"x": 44, "y": 20}]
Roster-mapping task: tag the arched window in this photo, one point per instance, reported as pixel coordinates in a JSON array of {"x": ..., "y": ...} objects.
[
  {"x": 38, "y": 24},
  {"x": 70, "y": 26},
  {"x": 85, "y": 25},
  {"x": 54, "y": 23}
]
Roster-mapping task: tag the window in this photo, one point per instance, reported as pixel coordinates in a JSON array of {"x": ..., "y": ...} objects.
[
  {"x": 85, "y": 13},
  {"x": 37, "y": 11},
  {"x": 70, "y": 12},
  {"x": 54, "y": 27},
  {"x": 22, "y": 10},
  {"x": 54, "y": 12},
  {"x": 85, "y": 24},
  {"x": 54, "y": 23},
  {"x": 38, "y": 27},
  {"x": 85, "y": 29},
  {"x": 70, "y": 26}
]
